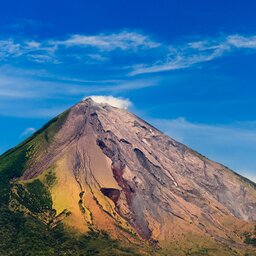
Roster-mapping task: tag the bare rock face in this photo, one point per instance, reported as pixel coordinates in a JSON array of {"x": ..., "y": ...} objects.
[{"x": 114, "y": 172}]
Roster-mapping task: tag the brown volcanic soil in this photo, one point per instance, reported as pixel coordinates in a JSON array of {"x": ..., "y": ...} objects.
[{"x": 118, "y": 173}]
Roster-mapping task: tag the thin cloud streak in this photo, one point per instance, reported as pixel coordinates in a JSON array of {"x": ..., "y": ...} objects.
[
  {"x": 90, "y": 46},
  {"x": 17, "y": 83},
  {"x": 124, "y": 40},
  {"x": 146, "y": 54},
  {"x": 23, "y": 92},
  {"x": 223, "y": 132},
  {"x": 185, "y": 56},
  {"x": 28, "y": 131},
  {"x": 25, "y": 48}
]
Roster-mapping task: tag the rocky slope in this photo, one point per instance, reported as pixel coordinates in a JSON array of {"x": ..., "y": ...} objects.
[{"x": 102, "y": 168}]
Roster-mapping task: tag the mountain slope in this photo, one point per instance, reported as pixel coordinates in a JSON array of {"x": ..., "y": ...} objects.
[{"x": 97, "y": 168}]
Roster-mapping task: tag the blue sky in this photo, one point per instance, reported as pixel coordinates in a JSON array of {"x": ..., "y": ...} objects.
[{"x": 188, "y": 67}]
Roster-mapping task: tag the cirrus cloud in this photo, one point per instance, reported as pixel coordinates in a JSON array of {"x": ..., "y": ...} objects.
[
  {"x": 138, "y": 53},
  {"x": 124, "y": 40},
  {"x": 195, "y": 52}
]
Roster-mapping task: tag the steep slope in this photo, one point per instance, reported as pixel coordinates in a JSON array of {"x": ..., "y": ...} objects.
[{"x": 99, "y": 168}]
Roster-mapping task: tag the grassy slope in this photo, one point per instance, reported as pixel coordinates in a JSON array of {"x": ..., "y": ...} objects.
[
  {"x": 13, "y": 162},
  {"x": 21, "y": 235}
]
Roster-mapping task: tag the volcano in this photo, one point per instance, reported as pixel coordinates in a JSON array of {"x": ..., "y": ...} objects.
[{"x": 100, "y": 169}]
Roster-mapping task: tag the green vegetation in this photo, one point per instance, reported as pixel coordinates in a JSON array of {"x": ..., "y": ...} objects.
[
  {"x": 129, "y": 232},
  {"x": 251, "y": 238},
  {"x": 20, "y": 235},
  {"x": 14, "y": 162},
  {"x": 34, "y": 196},
  {"x": 50, "y": 178},
  {"x": 54, "y": 125},
  {"x": 201, "y": 252}
]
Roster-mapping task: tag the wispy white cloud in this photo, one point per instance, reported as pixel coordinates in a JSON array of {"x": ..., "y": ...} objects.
[
  {"x": 181, "y": 128},
  {"x": 38, "y": 84},
  {"x": 148, "y": 55},
  {"x": 111, "y": 100},
  {"x": 34, "y": 93},
  {"x": 28, "y": 131},
  {"x": 28, "y": 49},
  {"x": 9, "y": 48},
  {"x": 124, "y": 40},
  {"x": 191, "y": 53},
  {"x": 96, "y": 47},
  {"x": 97, "y": 57},
  {"x": 240, "y": 41}
]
